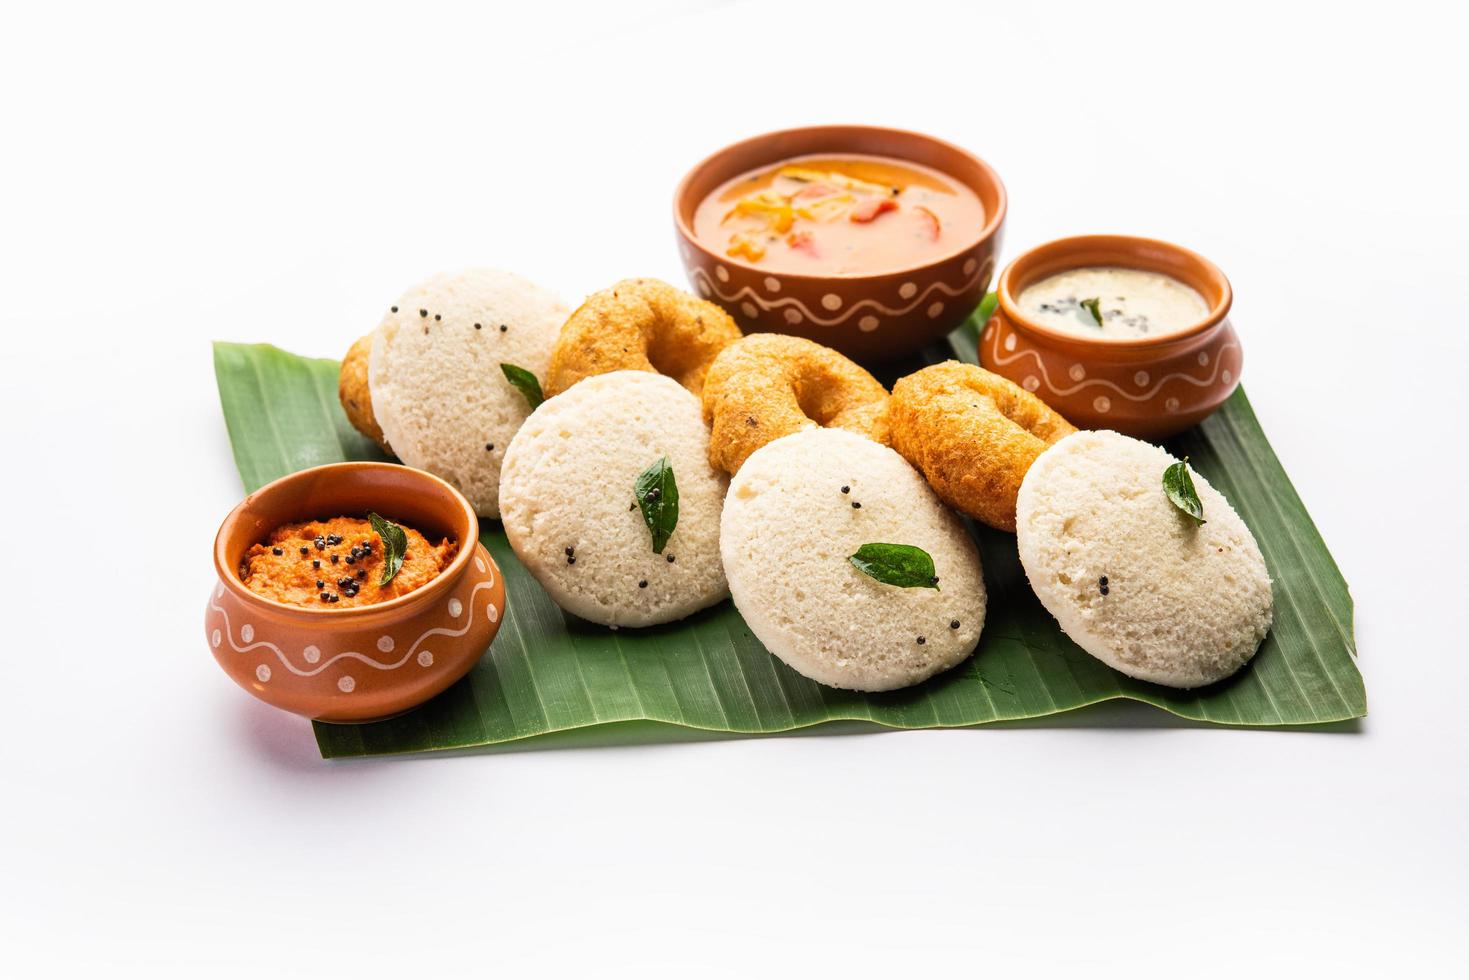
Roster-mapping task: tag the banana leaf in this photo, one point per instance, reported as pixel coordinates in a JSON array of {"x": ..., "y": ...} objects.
[{"x": 548, "y": 672}]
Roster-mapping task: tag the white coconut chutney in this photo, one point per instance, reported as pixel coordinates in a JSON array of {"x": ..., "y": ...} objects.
[{"x": 1131, "y": 303}]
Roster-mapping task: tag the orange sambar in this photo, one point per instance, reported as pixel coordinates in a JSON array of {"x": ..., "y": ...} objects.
[{"x": 839, "y": 215}]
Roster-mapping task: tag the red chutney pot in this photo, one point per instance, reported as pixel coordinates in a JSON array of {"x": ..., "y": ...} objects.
[
  {"x": 1146, "y": 387},
  {"x": 361, "y": 663}
]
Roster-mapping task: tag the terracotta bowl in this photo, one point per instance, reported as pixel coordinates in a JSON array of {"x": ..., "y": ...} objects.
[
  {"x": 1145, "y": 387},
  {"x": 368, "y": 662},
  {"x": 869, "y": 317}
]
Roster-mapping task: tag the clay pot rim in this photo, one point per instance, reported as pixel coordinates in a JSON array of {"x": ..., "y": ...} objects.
[
  {"x": 1126, "y": 251},
  {"x": 441, "y": 583},
  {"x": 991, "y": 227}
]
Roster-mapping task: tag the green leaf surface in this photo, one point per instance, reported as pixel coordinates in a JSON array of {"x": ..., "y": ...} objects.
[
  {"x": 395, "y": 545},
  {"x": 525, "y": 382},
  {"x": 1179, "y": 486},
  {"x": 657, "y": 495},
  {"x": 902, "y": 565},
  {"x": 549, "y": 672},
  {"x": 1093, "y": 307}
]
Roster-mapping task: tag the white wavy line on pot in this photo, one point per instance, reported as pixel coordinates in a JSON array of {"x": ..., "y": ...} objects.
[
  {"x": 350, "y": 654},
  {"x": 1001, "y": 361},
  {"x": 749, "y": 292},
  {"x": 486, "y": 568}
]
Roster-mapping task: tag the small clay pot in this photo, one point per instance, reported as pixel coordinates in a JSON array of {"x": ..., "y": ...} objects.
[
  {"x": 1146, "y": 387},
  {"x": 368, "y": 662},
  {"x": 867, "y": 317}
]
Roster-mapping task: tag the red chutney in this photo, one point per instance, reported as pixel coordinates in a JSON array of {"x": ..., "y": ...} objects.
[
  {"x": 336, "y": 563},
  {"x": 839, "y": 215}
]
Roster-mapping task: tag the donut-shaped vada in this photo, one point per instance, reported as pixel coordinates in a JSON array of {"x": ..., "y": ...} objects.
[
  {"x": 641, "y": 325},
  {"x": 354, "y": 395},
  {"x": 973, "y": 434},
  {"x": 769, "y": 385}
]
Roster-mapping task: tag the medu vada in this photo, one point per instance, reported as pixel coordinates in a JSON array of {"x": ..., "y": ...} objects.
[
  {"x": 973, "y": 434},
  {"x": 355, "y": 396},
  {"x": 769, "y": 385},
  {"x": 640, "y": 325}
]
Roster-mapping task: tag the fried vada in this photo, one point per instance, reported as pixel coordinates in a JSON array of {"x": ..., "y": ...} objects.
[
  {"x": 640, "y": 325},
  {"x": 973, "y": 434},
  {"x": 356, "y": 396},
  {"x": 768, "y": 385}
]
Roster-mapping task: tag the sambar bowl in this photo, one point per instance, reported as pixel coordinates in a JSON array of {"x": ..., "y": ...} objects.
[{"x": 868, "y": 317}]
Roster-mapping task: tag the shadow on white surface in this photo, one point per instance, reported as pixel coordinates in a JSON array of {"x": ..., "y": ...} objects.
[
  {"x": 286, "y": 741},
  {"x": 277, "y": 738}
]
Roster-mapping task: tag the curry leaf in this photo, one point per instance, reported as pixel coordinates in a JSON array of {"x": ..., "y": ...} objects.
[
  {"x": 657, "y": 495},
  {"x": 395, "y": 545},
  {"x": 526, "y": 382},
  {"x": 1094, "y": 307},
  {"x": 903, "y": 565},
  {"x": 1179, "y": 486}
]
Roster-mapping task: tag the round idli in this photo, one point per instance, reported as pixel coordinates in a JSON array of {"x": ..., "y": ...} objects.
[
  {"x": 796, "y": 512},
  {"x": 1131, "y": 578},
  {"x": 568, "y": 505},
  {"x": 438, "y": 392}
]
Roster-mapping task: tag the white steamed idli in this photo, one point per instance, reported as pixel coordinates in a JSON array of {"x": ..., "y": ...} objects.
[
  {"x": 797, "y": 509},
  {"x": 567, "y": 501},
  {"x": 1128, "y": 575},
  {"x": 434, "y": 373}
]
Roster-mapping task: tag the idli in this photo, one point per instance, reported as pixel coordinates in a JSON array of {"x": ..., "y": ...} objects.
[
  {"x": 437, "y": 387},
  {"x": 1134, "y": 580},
  {"x": 570, "y": 507},
  {"x": 797, "y": 511}
]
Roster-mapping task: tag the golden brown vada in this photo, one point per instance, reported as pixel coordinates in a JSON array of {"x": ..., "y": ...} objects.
[
  {"x": 353, "y": 392},
  {"x": 973, "y": 435},
  {"x": 640, "y": 325},
  {"x": 769, "y": 385}
]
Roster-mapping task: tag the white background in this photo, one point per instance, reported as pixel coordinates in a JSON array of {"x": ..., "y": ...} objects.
[{"x": 281, "y": 173}]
